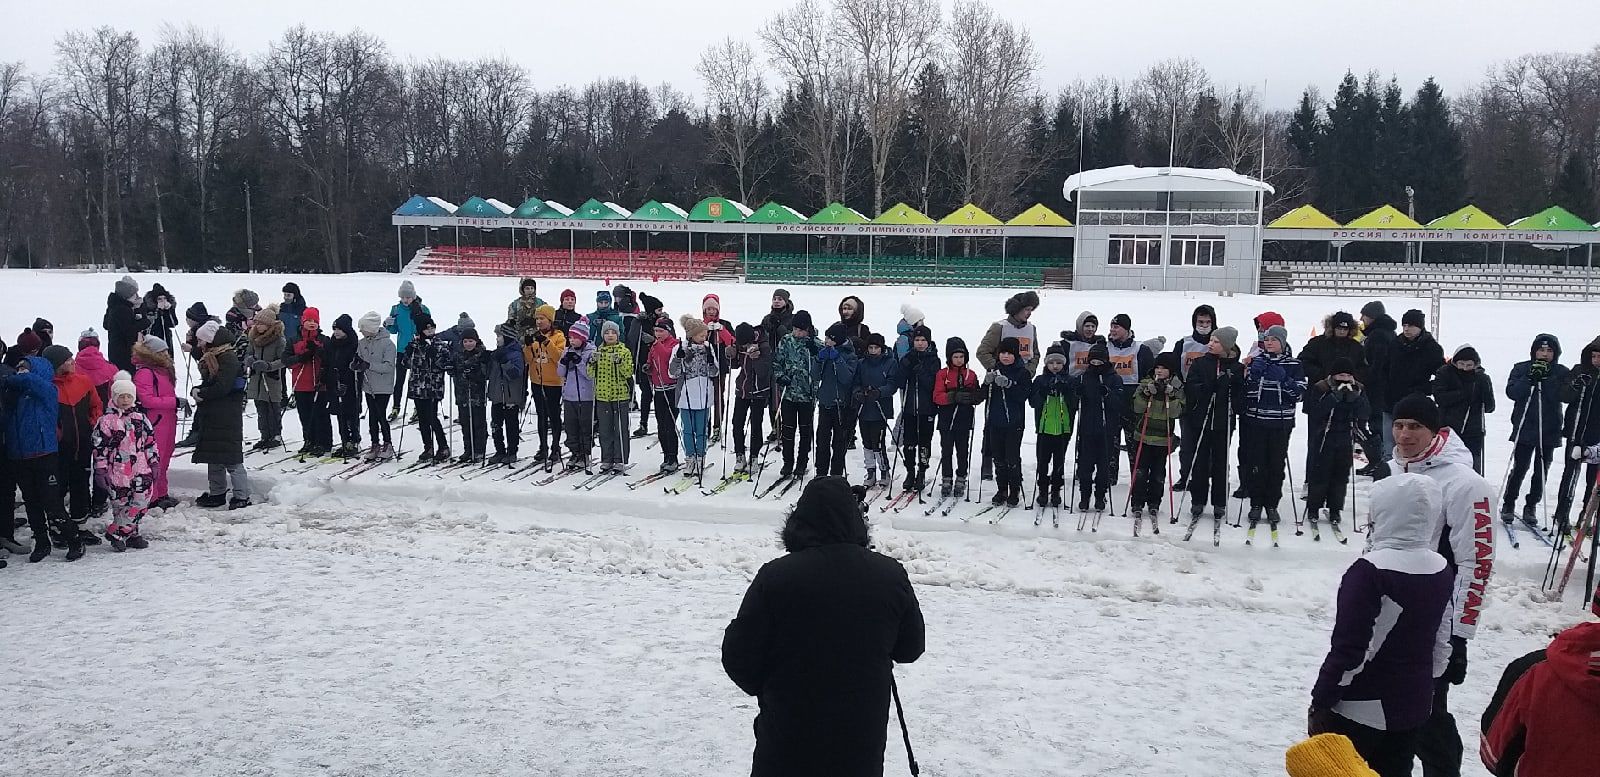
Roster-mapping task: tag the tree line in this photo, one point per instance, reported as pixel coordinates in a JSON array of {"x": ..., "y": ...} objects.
[{"x": 155, "y": 153}]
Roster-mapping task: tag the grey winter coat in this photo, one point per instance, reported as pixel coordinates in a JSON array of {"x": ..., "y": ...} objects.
[
  {"x": 378, "y": 352},
  {"x": 264, "y": 385}
]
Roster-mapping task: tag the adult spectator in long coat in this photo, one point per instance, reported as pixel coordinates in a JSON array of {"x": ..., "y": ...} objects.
[
  {"x": 1377, "y": 338},
  {"x": 124, "y": 322},
  {"x": 816, "y": 639}
]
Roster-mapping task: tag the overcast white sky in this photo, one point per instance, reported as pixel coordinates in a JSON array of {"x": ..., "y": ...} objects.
[{"x": 1287, "y": 44}]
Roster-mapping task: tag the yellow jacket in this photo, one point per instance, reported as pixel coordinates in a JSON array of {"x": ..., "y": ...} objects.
[{"x": 542, "y": 359}]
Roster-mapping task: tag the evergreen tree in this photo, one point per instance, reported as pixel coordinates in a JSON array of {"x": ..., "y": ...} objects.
[
  {"x": 1345, "y": 160},
  {"x": 1113, "y": 131},
  {"x": 1394, "y": 169},
  {"x": 1437, "y": 163}
]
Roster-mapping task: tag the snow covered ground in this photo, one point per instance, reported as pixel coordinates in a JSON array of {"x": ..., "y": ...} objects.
[{"x": 426, "y": 626}]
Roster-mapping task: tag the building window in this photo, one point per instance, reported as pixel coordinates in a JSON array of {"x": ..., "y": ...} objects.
[
  {"x": 1134, "y": 249},
  {"x": 1199, "y": 250}
]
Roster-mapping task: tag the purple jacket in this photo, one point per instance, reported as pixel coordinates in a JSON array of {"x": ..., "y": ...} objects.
[
  {"x": 576, "y": 385},
  {"x": 1379, "y": 669}
]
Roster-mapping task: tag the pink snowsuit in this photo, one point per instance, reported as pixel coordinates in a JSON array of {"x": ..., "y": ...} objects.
[
  {"x": 125, "y": 463},
  {"x": 158, "y": 397}
]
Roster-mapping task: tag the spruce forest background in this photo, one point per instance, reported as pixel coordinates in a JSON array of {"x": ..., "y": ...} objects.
[{"x": 143, "y": 152}]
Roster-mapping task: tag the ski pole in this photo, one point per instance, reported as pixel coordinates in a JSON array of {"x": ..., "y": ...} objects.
[
  {"x": 1133, "y": 482},
  {"x": 1172, "y": 501},
  {"x": 766, "y": 450},
  {"x": 1516, "y": 434},
  {"x": 1293, "y": 502},
  {"x": 905, "y": 734},
  {"x": 1541, "y": 464},
  {"x": 1205, "y": 426}
]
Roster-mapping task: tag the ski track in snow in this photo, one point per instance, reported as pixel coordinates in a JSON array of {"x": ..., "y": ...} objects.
[{"x": 440, "y": 626}]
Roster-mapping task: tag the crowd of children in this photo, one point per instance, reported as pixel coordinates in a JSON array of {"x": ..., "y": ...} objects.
[{"x": 85, "y": 432}]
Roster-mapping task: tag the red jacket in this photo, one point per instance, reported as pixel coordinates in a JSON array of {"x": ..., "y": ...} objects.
[
  {"x": 1545, "y": 727},
  {"x": 660, "y": 358},
  {"x": 80, "y": 410},
  {"x": 306, "y": 353}
]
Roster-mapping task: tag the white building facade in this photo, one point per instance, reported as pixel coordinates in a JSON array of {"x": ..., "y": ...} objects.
[{"x": 1167, "y": 228}]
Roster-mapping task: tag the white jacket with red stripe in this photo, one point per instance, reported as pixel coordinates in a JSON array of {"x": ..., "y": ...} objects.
[{"x": 1466, "y": 536}]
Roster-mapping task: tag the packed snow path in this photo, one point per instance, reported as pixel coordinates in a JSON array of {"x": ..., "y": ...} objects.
[{"x": 422, "y": 626}]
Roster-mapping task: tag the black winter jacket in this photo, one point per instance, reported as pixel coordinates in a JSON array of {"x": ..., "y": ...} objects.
[
  {"x": 1411, "y": 366},
  {"x": 123, "y": 324},
  {"x": 1581, "y": 426},
  {"x": 1376, "y": 341},
  {"x": 1215, "y": 385},
  {"x": 1464, "y": 398},
  {"x": 220, "y": 412}
]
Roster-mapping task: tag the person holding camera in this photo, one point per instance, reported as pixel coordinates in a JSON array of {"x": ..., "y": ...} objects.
[
  {"x": 1338, "y": 404},
  {"x": 1465, "y": 395}
]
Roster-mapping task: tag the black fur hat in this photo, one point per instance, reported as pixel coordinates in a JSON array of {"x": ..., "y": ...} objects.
[{"x": 1026, "y": 299}]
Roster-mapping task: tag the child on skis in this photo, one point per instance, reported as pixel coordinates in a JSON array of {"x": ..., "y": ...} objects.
[
  {"x": 834, "y": 374},
  {"x": 1210, "y": 399},
  {"x": 375, "y": 360},
  {"x": 1337, "y": 404},
  {"x": 470, "y": 370},
  {"x": 1009, "y": 388},
  {"x": 752, "y": 394},
  {"x": 577, "y": 394},
  {"x": 507, "y": 393},
  {"x": 664, "y": 391},
  {"x": 1465, "y": 395},
  {"x": 542, "y": 355},
  {"x": 266, "y": 348},
  {"x": 1535, "y": 387},
  {"x": 916, "y": 376},
  {"x": 1052, "y": 400},
  {"x": 611, "y": 368},
  {"x": 1157, "y": 405},
  {"x": 1102, "y": 397},
  {"x": 31, "y": 449},
  {"x": 721, "y": 338},
  {"x": 125, "y": 463},
  {"x": 956, "y": 394},
  {"x": 792, "y": 370},
  {"x": 426, "y": 360},
  {"x": 343, "y": 384},
  {"x": 695, "y": 366},
  {"x": 874, "y": 394},
  {"x": 310, "y": 397},
  {"x": 1274, "y": 384}
]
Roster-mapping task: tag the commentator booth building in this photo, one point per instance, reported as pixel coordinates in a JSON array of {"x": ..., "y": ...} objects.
[{"x": 1164, "y": 228}]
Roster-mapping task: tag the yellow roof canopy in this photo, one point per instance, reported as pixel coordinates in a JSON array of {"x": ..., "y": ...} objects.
[
  {"x": 1304, "y": 217},
  {"x": 970, "y": 215},
  {"x": 1386, "y": 217},
  {"x": 1470, "y": 217},
  {"x": 1039, "y": 216}
]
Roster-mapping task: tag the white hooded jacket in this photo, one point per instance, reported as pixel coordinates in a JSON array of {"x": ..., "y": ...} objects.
[{"x": 1466, "y": 536}]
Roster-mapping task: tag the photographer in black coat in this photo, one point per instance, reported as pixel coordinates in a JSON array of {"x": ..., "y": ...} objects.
[
  {"x": 1465, "y": 395},
  {"x": 816, "y": 640}
]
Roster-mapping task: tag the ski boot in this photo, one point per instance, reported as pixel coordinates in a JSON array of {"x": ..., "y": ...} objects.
[
  {"x": 1333, "y": 525},
  {"x": 668, "y": 467},
  {"x": 787, "y": 471},
  {"x": 1055, "y": 495},
  {"x": 385, "y": 452},
  {"x": 1272, "y": 524},
  {"x": 741, "y": 465},
  {"x": 1014, "y": 495},
  {"x": 1138, "y": 518},
  {"x": 946, "y": 487},
  {"x": 137, "y": 540},
  {"x": 426, "y": 455},
  {"x": 1100, "y": 502},
  {"x": 1195, "y": 514},
  {"x": 960, "y": 490},
  {"x": 1254, "y": 518},
  {"x": 1508, "y": 514},
  {"x": 74, "y": 545},
  {"x": 443, "y": 456},
  {"x": 999, "y": 497},
  {"x": 1041, "y": 495},
  {"x": 1530, "y": 516},
  {"x": 238, "y": 503},
  {"x": 641, "y": 432},
  {"x": 1083, "y": 502},
  {"x": 1155, "y": 519}
]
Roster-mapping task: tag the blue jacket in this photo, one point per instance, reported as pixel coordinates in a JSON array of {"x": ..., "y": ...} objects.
[
  {"x": 404, "y": 328},
  {"x": 290, "y": 312},
  {"x": 31, "y": 425},
  {"x": 1533, "y": 426},
  {"x": 917, "y": 374},
  {"x": 1102, "y": 404},
  {"x": 834, "y": 375},
  {"x": 1008, "y": 407},
  {"x": 1273, "y": 386},
  {"x": 876, "y": 374}
]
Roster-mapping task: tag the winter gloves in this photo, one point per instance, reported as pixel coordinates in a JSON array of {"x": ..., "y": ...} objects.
[
  {"x": 1455, "y": 672},
  {"x": 1002, "y": 381},
  {"x": 1538, "y": 370}
]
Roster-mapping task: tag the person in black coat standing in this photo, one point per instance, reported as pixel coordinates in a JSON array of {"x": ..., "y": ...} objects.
[
  {"x": 1377, "y": 338},
  {"x": 161, "y": 309},
  {"x": 816, "y": 640},
  {"x": 1581, "y": 427},
  {"x": 1337, "y": 341},
  {"x": 124, "y": 323},
  {"x": 1465, "y": 395}
]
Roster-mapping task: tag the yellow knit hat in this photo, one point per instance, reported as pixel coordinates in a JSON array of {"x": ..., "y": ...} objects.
[{"x": 1326, "y": 755}]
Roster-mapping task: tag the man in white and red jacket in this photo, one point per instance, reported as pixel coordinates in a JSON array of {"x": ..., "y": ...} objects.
[{"x": 1466, "y": 539}]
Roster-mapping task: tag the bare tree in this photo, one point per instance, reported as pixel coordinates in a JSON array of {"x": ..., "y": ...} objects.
[
  {"x": 993, "y": 75},
  {"x": 823, "y": 79},
  {"x": 736, "y": 101},
  {"x": 1163, "y": 99},
  {"x": 1235, "y": 137},
  {"x": 892, "y": 40},
  {"x": 197, "y": 81},
  {"x": 101, "y": 73}
]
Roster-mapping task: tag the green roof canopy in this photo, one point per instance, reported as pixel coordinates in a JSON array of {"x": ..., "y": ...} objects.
[
  {"x": 970, "y": 215},
  {"x": 1304, "y": 217},
  {"x": 1554, "y": 219},
  {"x": 718, "y": 209},
  {"x": 419, "y": 205},
  {"x": 529, "y": 209},
  {"x": 595, "y": 210},
  {"x": 838, "y": 213},
  {"x": 1386, "y": 217},
  {"x": 903, "y": 215},
  {"x": 1470, "y": 217},
  {"x": 776, "y": 213},
  {"x": 659, "y": 211},
  {"x": 480, "y": 208}
]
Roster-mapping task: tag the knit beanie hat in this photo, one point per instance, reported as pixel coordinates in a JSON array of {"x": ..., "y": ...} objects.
[
  {"x": 1277, "y": 332},
  {"x": 57, "y": 355},
  {"x": 127, "y": 286},
  {"x": 1419, "y": 408},
  {"x": 1123, "y": 320},
  {"x": 1326, "y": 755},
  {"x": 1018, "y": 302},
  {"x": 29, "y": 342},
  {"x": 207, "y": 332},
  {"x": 1229, "y": 337},
  {"x": 802, "y": 320},
  {"x": 782, "y": 294},
  {"x": 569, "y": 294},
  {"x": 267, "y": 315},
  {"x": 1099, "y": 353},
  {"x": 197, "y": 313},
  {"x": 1010, "y": 345},
  {"x": 370, "y": 323},
  {"x": 122, "y": 385},
  {"x": 911, "y": 314},
  {"x": 920, "y": 330},
  {"x": 1156, "y": 344},
  {"x": 610, "y": 326},
  {"x": 291, "y": 288},
  {"x": 423, "y": 322},
  {"x": 875, "y": 339},
  {"x": 1342, "y": 366},
  {"x": 602, "y": 296},
  {"x": 507, "y": 331},
  {"x": 1414, "y": 317},
  {"x": 407, "y": 290},
  {"x": 545, "y": 312},
  {"x": 838, "y": 332},
  {"x": 1055, "y": 356},
  {"x": 665, "y": 324},
  {"x": 1169, "y": 360},
  {"x": 465, "y": 321},
  {"x": 579, "y": 333},
  {"x": 709, "y": 303},
  {"x": 1373, "y": 309},
  {"x": 1466, "y": 352},
  {"x": 744, "y": 335},
  {"x": 650, "y": 304},
  {"x": 471, "y": 333},
  {"x": 692, "y": 326},
  {"x": 245, "y": 298},
  {"x": 154, "y": 344},
  {"x": 87, "y": 338}
]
